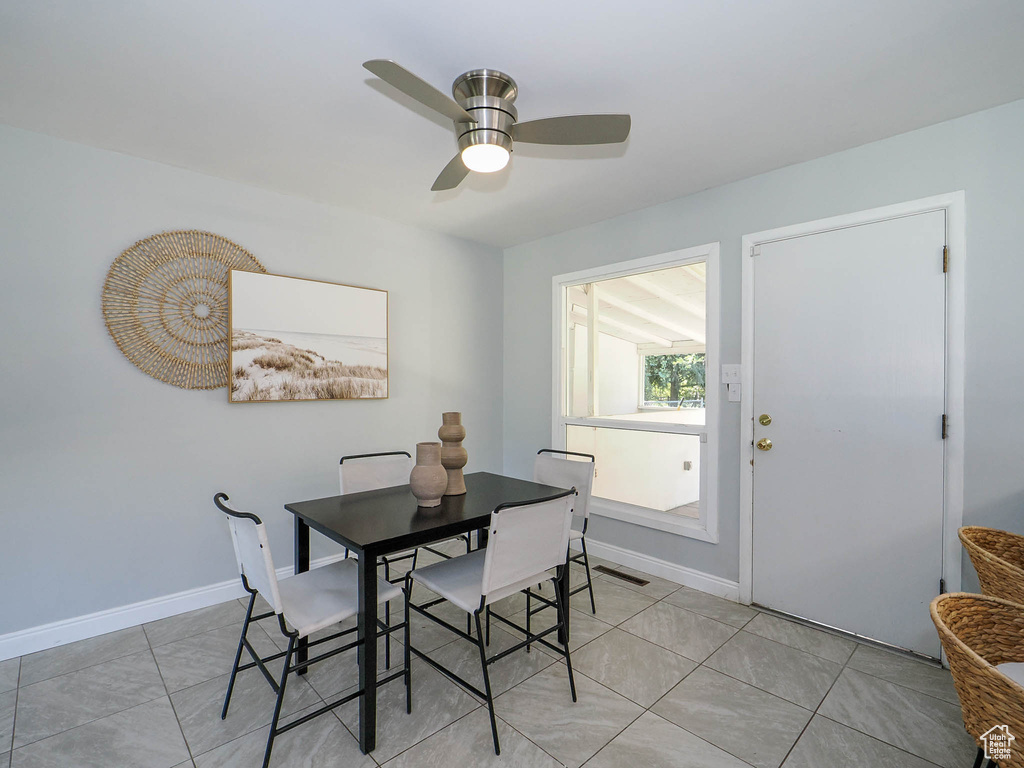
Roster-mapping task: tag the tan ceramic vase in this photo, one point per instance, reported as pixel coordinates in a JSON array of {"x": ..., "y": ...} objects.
[
  {"x": 453, "y": 455},
  {"x": 428, "y": 479}
]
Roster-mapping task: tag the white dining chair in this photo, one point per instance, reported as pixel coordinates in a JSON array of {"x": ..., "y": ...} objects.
[
  {"x": 526, "y": 545},
  {"x": 577, "y": 470},
  {"x": 369, "y": 472},
  {"x": 304, "y": 603}
]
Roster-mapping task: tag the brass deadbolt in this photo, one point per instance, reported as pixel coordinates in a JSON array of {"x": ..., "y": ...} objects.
[{"x": 764, "y": 419}]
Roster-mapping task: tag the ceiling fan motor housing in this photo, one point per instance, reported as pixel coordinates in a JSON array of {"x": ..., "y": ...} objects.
[{"x": 487, "y": 95}]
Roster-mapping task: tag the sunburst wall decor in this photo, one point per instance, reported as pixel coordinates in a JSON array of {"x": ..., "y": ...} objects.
[{"x": 165, "y": 303}]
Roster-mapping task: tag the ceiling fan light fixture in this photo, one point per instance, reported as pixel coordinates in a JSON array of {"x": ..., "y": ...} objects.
[
  {"x": 485, "y": 158},
  {"x": 487, "y": 122}
]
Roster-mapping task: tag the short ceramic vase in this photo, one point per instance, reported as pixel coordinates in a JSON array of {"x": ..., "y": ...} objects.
[
  {"x": 428, "y": 479},
  {"x": 453, "y": 455}
]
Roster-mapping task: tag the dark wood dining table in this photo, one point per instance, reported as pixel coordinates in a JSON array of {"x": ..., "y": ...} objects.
[{"x": 388, "y": 520}]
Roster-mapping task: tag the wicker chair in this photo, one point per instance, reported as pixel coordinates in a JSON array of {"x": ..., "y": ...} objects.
[
  {"x": 977, "y": 633},
  {"x": 998, "y": 558}
]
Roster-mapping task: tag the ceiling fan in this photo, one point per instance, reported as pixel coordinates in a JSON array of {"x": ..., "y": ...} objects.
[{"x": 485, "y": 120}]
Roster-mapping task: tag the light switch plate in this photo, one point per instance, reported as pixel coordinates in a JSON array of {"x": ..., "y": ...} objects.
[{"x": 731, "y": 373}]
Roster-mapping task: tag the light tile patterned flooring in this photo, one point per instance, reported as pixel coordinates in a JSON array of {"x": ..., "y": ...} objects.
[{"x": 666, "y": 676}]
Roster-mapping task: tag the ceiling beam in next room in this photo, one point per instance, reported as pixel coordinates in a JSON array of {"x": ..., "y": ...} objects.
[
  {"x": 680, "y": 331},
  {"x": 692, "y": 307},
  {"x": 617, "y": 328}
]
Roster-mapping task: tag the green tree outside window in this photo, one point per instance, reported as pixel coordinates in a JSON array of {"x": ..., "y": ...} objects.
[{"x": 675, "y": 378}]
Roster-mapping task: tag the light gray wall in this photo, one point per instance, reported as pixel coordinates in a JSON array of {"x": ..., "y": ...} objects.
[
  {"x": 107, "y": 475},
  {"x": 982, "y": 154}
]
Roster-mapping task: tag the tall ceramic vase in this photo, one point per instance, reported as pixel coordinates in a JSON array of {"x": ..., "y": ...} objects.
[
  {"x": 428, "y": 479},
  {"x": 453, "y": 455}
]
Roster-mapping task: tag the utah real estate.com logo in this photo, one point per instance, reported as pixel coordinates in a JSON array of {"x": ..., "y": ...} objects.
[{"x": 997, "y": 742}]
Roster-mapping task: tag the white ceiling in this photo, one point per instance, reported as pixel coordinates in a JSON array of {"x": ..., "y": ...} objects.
[{"x": 272, "y": 93}]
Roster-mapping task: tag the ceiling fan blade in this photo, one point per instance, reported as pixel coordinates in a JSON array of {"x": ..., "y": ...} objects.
[
  {"x": 574, "y": 129},
  {"x": 421, "y": 90},
  {"x": 452, "y": 175}
]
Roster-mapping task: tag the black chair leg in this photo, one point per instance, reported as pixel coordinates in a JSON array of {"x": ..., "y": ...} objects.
[
  {"x": 561, "y": 604},
  {"x": 528, "y": 596},
  {"x": 238, "y": 655},
  {"x": 280, "y": 701},
  {"x": 387, "y": 619},
  {"x": 487, "y": 684},
  {"x": 488, "y": 630},
  {"x": 408, "y": 653},
  {"x": 590, "y": 582},
  {"x": 469, "y": 621},
  {"x": 980, "y": 758}
]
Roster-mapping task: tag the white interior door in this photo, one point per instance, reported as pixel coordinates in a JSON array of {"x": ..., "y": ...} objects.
[{"x": 849, "y": 363}]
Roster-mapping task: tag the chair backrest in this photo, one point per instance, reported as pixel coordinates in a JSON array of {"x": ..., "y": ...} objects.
[
  {"x": 998, "y": 557},
  {"x": 560, "y": 469},
  {"x": 526, "y": 539},
  {"x": 252, "y": 551},
  {"x": 370, "y": 471}
]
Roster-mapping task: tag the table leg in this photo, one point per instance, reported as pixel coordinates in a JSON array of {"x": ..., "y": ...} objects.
[
  {"x": 481, "y": 538},
  {"x": 301, "y": 566},
  {"x": 563, "y": 582},
  {"x": 368, "y": 658}
]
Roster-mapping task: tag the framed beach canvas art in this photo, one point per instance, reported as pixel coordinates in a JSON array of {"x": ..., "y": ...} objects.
[{"x": 296, "y": 339}]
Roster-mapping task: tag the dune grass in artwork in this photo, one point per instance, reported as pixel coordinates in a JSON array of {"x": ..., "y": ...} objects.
[{"x": 267, "y": 368}]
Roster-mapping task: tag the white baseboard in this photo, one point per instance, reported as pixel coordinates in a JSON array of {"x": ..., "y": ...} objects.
[
  {"x": 100, "y": 623},
  {"x": 680, "y": 574}
]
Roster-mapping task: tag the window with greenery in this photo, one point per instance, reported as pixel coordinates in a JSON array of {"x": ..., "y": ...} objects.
[{"x": 675, "y": 381}]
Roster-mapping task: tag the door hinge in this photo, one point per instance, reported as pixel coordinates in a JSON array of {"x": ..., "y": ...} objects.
[
  {"x": 942, "y": 586},
  {"x": 945, "y": 433},
  {"x": 945, "y": 259}
]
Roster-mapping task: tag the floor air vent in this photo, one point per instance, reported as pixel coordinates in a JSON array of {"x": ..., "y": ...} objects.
[{"x": 624, "y": 576}]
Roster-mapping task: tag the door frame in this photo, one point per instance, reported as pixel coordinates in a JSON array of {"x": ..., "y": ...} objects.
[{"x": 953, "y": 456}]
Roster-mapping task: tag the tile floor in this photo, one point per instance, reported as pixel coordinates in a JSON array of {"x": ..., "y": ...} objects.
[{"x": 666, "y": 676}]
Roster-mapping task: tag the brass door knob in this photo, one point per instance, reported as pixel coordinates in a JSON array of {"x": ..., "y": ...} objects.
[
  {"x": 764, "y": 419},
  {"x": 764, "y": 444}
]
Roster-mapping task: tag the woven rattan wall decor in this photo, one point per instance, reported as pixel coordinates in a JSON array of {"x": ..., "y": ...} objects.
[{"x": 165, "y": 303}]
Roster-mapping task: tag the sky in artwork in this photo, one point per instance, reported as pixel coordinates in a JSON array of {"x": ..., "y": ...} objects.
[{"x": 272, "y": 302}]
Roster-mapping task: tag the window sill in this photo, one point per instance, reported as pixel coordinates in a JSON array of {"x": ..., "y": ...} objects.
[{"x": 689, "y": 527}]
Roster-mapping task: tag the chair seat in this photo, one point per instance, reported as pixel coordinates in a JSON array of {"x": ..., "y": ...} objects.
[
  {"x": 391, "y": 556},
  {"x": 1013, "y": 670},
  {"x": 324, "y": 596},
  {"x": 459, "y": 581}
]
